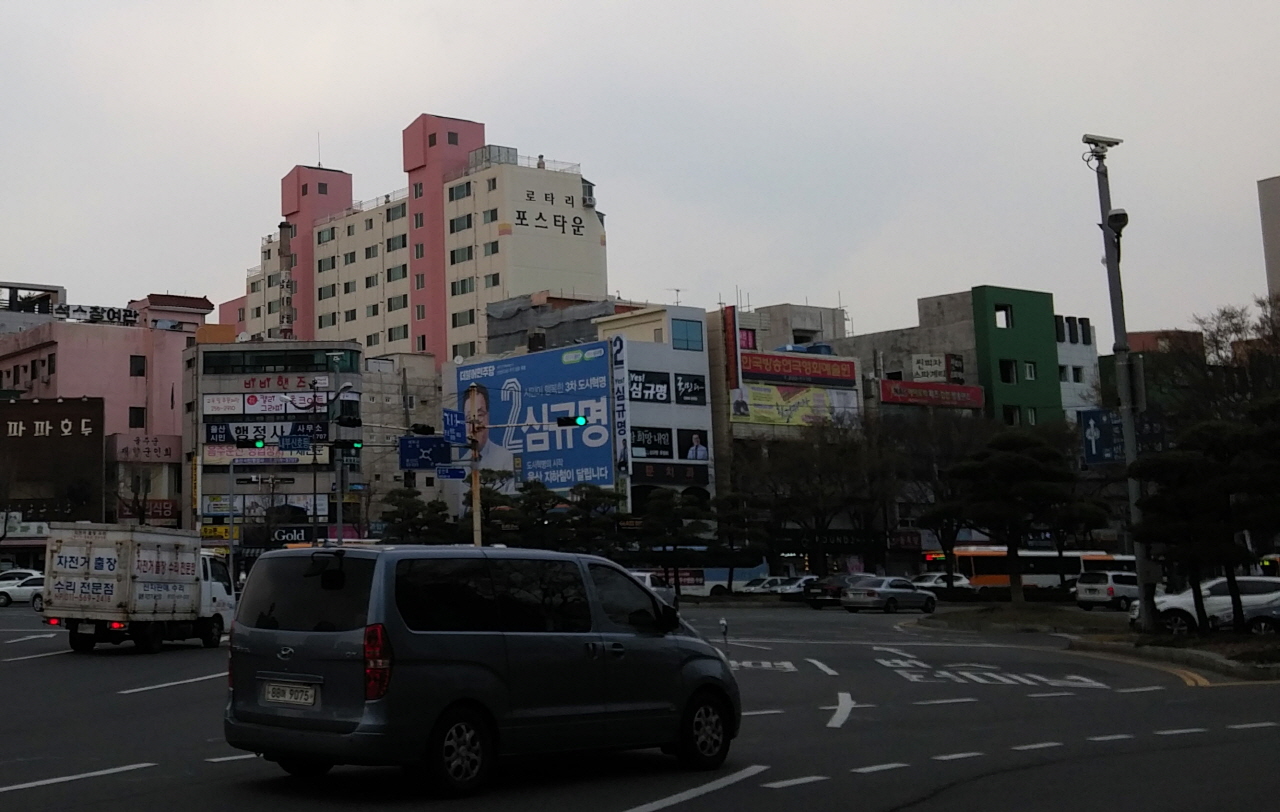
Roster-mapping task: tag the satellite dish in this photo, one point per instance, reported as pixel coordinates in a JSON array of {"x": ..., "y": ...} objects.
[
  {"x": 458, "y": 359},
  {"x": 243, "y": 337}
]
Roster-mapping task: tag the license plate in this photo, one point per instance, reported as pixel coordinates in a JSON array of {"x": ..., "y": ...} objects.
[
  {"x": 285, "y": 694},
  {"x": 86, "y": 628}
]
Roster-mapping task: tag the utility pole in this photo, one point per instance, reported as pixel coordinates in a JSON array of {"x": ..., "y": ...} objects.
[
  {"x": 1113, "y": 222},
  {"x": 476, "y": 535},
  {"x": 315, "y": 466},
  {"x": 231, "y": 529}
]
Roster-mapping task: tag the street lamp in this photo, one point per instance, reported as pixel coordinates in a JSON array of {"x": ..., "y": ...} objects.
[{"x": 1113, "y": 223}]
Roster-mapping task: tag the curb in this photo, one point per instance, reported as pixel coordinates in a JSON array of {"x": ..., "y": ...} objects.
[
  {"x": 940, "y": 623},
  {"x": 686, "y": 603},
  {"x": 1200, "y": 659}
]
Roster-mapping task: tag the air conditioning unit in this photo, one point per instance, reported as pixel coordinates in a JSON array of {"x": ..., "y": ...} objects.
[{"x": 589, "y": 202}]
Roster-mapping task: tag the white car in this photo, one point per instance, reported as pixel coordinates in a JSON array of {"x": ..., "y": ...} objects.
[
  {"x": 758, "y": 586},
  {"x": 1117, "y": 589},
  {"x": 792, "y": 589},
  {"x": 17, "y": 575},
  {"x": 659, "y": 586},
  {"x": 1177, "y": 612},
  {"x": 21, "y": 591},
  {"x": 938, "y": 580}
]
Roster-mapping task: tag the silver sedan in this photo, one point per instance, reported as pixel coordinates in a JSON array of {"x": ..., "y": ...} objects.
[{"x": 888, "y": 595}]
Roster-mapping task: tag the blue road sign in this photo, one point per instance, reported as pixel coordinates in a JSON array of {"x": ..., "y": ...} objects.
[
  {"x": 291, "y": 442},
  {"x": 451, "y": 472},
  {"x": 1102, "y": 435},
  {"x": 419, "y": 453},
  {"x": 455, "y": 427}
]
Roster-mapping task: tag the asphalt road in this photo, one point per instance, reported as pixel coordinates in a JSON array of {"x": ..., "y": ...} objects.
[{"x": 862, "y": 711}]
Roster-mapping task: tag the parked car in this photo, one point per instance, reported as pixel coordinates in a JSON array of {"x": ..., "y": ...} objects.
[
  {"x": 660, "y": 586},
  {"x": 1115, "y": 589},
  {"x": 442, "y": 659},
  {"x": 792, "y": 589},
  {"x": 938, "y": 580},
  {"x": 757, "y": 586},
  {"x": 889, "y": 595},
  {"x": 17, "y": 575},
  {"x": 824, "y": 592},
  {"x": 23, "y": 591},
  {"x": 1177, "y": 612}
]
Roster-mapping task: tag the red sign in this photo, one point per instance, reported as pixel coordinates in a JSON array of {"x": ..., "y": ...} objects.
[
  {"x": 731, "y": 346},
  {"x": 918, "y": 393},
  {"x": 155, "y": 508},
  {"x": 821, "y": 371}
]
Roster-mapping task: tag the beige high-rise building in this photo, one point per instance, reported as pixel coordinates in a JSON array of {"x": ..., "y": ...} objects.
[{"x": 1269, "y": 210}]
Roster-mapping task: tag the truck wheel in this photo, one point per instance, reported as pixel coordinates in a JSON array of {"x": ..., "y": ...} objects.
[
  {"x": 82, "y": 643},
  {"x": 212, "y": 637},
  {"x": 149, "y": 638}
]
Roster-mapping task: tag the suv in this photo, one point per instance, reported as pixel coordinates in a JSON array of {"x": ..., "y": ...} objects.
[
  {"x": 445, "y": 658},
  {"x": 1177, "y": 612},
  {"x": 1116, "y": 589},
  {"x": 827, "y": 591}
]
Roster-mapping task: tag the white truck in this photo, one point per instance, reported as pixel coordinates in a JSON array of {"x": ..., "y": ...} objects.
[{"x": 109, "y": 583}]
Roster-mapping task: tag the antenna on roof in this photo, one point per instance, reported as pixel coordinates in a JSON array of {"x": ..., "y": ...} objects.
[
  {"x": 677, "y": 290},
  {"x": 318, "y": 149}
]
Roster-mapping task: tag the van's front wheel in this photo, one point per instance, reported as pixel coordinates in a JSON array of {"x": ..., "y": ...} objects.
[
  {"x": 461, "y": 752},
  {"x": 704, "y": 732}
]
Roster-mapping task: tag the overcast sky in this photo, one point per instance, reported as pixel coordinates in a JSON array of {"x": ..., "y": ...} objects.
[{"x": 863, "y": 152}]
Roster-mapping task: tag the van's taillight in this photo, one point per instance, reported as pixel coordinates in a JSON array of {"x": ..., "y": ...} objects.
[
  {"x": 1111, "y": 591},
  {"x": 53, "y": 621},
  {"x": 231, "y": 646},
  {"x": 115, "y": 625},
  {"x": 377, "y": 661}
]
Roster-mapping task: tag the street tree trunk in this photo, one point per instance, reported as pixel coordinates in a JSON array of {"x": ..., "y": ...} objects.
[
  {"x": 1237, "y": 607},
  {"x": 1202, "y": 617},
  {"x": 1015, "y": 573}
]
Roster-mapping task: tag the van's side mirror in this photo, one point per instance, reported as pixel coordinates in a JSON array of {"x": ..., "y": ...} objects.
[{"x": 668, "y": 619}]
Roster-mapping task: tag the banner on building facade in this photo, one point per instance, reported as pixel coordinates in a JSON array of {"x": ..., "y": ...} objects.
[
  {"x": 920, "y": 393},
  {"x": 800, "y": 369},
  {"x": 791, "y": 405}
]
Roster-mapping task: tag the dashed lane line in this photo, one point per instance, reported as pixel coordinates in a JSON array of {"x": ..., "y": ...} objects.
[
  {"x": 795, "y": 782},
  {"x": 955, "y": 701},
  {"x": 66, "y": 778},
  {"x": 879, "y": 768},
  {"x": 31, "y": 637},
  {"x": 762, "y": 712},
  {"x": 748, "y": 645},
  {"x": 1182, "y": 731},
  {"x": 826, "y": 669},
  {"x": 1144, "y": 689},
  {"x": 243, "y": 757},
  {"x": 1051, "y": 694},
  {"x": 689, "y": 794},
  {"x": 957, "y": 756},
  {"x": 35, "y": 656},
  {"x": 1251, "y": 726},
  {"x": 1113, "y": 737},
  {"x": 1037, "y": 746},
  {"x": 171, "y": 684}
]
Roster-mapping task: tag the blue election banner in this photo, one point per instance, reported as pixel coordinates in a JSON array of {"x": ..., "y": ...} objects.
[
  {"x": 522, "y": 397},
  {"x": 1102, "y": 435},
  {"x": 455, "y": 427},
  {"x": 418, "y": 453}
]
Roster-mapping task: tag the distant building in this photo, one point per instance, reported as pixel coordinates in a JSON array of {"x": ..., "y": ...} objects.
[
  {"x": 1077, "y": 365},
  {"x": 24, "y": 305},
  {"x": 1269, "y": 211},
  {"x": 544, "y": 320},
  {"x": 397, "y": 391}
]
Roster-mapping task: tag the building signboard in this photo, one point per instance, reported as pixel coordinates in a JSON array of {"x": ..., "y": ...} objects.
[
  {"x": 691, "y": 390},
  {"x": 652, "y": 443},
  {"x": 160, "y": 512},
  {"x": 929, "y": 368},
  {"x": 53, "y": 458},
  {"x": 145, "y": 447},
  {"x": 917, "y": 393},
  {"x": 269, "y": 403},
  {"x": 227, "y": 433},
  {"x": 649, "y": 387},
  {"x": 253, "y": 506},
  {"x": 680, "y": 474},
  {"x": 692, "y": 444},
  {"x": 801, "y": 369},
  {"x": 621, "y": 381},
  {"x": 267, "y": 455},
  {"x": 93, "y": 313},
  {"x": 791, "y": 405}
]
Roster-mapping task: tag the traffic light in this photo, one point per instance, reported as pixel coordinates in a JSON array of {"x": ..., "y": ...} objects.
[
  {"x": 422, "y": 428},
  {"x": 348, "y": 444},
  {"x": 348, "y": 422},
  {"x": 566, "y": 422},
  {"x": 259, "y": 443}
]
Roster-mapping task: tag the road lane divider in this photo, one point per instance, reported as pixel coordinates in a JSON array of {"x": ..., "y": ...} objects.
[
  {"x": 171, "y": 684},
  {"x": 955, "y": 701},
  {"x": 879, "y": 768},
  {"x": 1036, "y": 746},
  {"x": 1251, "y": 725},
  {"x": 795, "y": 782},
  {"x": 958, "y": 756},
  {"x": 222, "y": 759},
  {"x": 762, "y": 712},
  {"x": 1182, "y": 731},
  {"x": 81, "y": 776},
  {"x": 826, "y": 669},
  {"x": 1113, "y": 737},
  {"x": 35, "y": 656},
  {"x": 712, "y": 786},
  {"x": 31, "y": 637}
]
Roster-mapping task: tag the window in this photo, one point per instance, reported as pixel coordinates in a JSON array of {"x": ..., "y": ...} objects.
[
  {"x": 1031, "y": 416},
  {"x": 419, "y": 281},
  {"x": 327, "y": 264},
  {"x": 490, "y": 248},
  {"x": 370, "y": 310},
  {"x": 351, "y": 231},
  {"x": 257, "y": 313},
  {"x": 349, "y": 315},
  {"x": 461, "y": 286},
  {"x": 417, "y": 191},
  {"x": 417, "y": 220},
  {"x": 368, "y": 224},
  {"x": 51, "y": 363},
  {"x": 446, "y": 595},
  {"x": 398, "y": 333},
  {"x": 460, "y": 191},
  {"x": 322, "y": 188},
  {"x": 431, "y": 140},
  {"x": 453, "y": 139},
  {"x": 463, "y": 350},
  {"x": 540, "y": 596},
  {"x": 396, "y": 243},
  {"x": 1062, "y": 374},
  {"x": 137, "y": 417},
  {"x": 746, "y": 339},
  {"x": 463, "y": 318},
  {"x": 419, "y": 312},
  {"x": 1073, "y": 330},
  {"x": 491, "y": 280},
  {"x": 489, "y": 216},
  {"x": 1011, "y": 416},
  {"x": 420, "y": 343},
  {"x": 273, "y": 280},
  {"x": 397, "y": 273},
  {"x": 327, "y": 320},
  {"x": 304, "y": 190},
  {"x": 189, "y": 406},
  {"x": 1060, "y": 328},
  {"x": 396, "y": 212},
  {"x": 686, "y": 335},
  {"x": 327, "y": 292},
  {"x": 1077, "y": 374},
  {"x": 371, "y": 252},
  {"x": 324, "y": 235},
  {"x": 460, "y": 224},
  {"x": 493, "y": 184},
  {"x": 349, "y": 258},
  {"x": 1029, "y": 371},
  {"x": 266, "y": 254},
  {"x": 1004, "y": 316},
  {"x": 1086, "y": 332},
  {"x": 419, "y": 250},
  {"x": 1248, "y": 586},
  {"x": 349, "y": 287},
  {"x": 371, "y": 281},
  {"x": 256, "y": 286},
  {"x": 1008, "y": 370},
  {"x": 460, "y": 255},
  {"x": 137, "y": 366},
  {"x": 397, "y": 303},
  {"x": 240, "y": 314},
  {"x": 627, "y": 605},
  {"x": 657, "y": 335},
  {"x": 273, "y": 306},
  {"x": 372, "y": 339}
]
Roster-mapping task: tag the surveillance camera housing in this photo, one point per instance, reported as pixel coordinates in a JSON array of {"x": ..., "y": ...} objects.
[
  {"x": 1101, "y": 141},
  {"x": 1117, "y": 219}
]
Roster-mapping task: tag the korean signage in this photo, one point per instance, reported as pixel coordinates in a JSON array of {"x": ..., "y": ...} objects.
[
  {"x": 224, "y": 433},
  {"x": 267, "y": 403},
  {"x": 254, "y": 506},
  {"x": 955, "y": 368},
  {"x": 680, "y": 474},
  {"x": 146, "y": 447},
  {"x": 267, "y": 455},
  {"x": 791, "y": 405},
  {"x": 53, "y": 459},
  {"x": 101, "y": 315},
  {"x": 522, "y": 398},
  {"x": 620, "y": 380},
  {"x": 691, "y": 390},
  {"x": 160, "y": 512},
  {"x": 733, "y": 347},
  {"x": 929, "y": 368},
  {"x": 649, "y": 387},
  {"x": 549, "y": 213},
  {"x": 800, "y": 369},
  {"x": 651, "y": 443},
  {"x": 917, "y": 393}
]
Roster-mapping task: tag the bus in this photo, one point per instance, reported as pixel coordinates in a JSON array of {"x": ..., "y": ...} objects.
[
  {"x": 988, "y": 565},
  {"x": 711, "y": 580}
]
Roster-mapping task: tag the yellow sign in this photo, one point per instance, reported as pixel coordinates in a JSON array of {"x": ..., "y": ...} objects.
[
  {"x": 790, "y": 405},
  {"x": 215, "y": 531}
]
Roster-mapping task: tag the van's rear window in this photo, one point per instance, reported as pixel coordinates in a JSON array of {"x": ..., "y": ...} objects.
[
  {"x": 1092, "y": 578},
  {"x": 307, "y": 593}
]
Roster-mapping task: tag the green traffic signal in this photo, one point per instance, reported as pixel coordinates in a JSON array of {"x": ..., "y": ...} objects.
[
  {"x": 357, "y": 444},
  {"x": 580, "y": 420},
  {"x": 259, "y": 444}
]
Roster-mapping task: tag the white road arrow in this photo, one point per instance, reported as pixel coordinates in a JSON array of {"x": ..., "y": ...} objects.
[
  {"x": 844, "y": 705},
  {"x": 31, "y": 637}
]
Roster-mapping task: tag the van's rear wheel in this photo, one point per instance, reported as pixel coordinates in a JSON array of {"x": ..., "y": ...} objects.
[
  {"x": 82, "y": 643},
  {"x": 704, "y": 732},
  {"x": 149, "y": 638},
  {"x": 460, "y": 752},
  {"x": 304, "y": 767}
]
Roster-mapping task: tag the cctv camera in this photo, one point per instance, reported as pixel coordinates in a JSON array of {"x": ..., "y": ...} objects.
[
  {"x": 1117, "y": 219},
  {"x": 1101, "y": 141}
]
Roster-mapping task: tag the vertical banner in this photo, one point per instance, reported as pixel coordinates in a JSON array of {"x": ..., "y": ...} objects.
[
  {"x": 621, "y": 427},
  {"x": 732, "y": 347}
]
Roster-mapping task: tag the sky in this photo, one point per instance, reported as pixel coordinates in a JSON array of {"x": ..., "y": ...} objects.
[{"x": 856, "y": 153}]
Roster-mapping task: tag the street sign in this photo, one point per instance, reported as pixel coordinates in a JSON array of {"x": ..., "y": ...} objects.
[
  {"x": 295, "y": 443},
  {"x": 417, "y": 453},
  {"x": 451, "y": 472},
  {"x": 1102, "y": 435},
  {"x": 455, "y": 427}
]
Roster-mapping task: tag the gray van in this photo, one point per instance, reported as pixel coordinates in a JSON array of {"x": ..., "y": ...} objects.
[{"x": 444, "y": 658}]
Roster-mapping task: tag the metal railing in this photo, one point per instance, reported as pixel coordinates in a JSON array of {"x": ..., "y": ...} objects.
[
  {"x": 254, "y": 271},
  {"x": 364, "y": 205},
  {"x": 530, "y": 161}
]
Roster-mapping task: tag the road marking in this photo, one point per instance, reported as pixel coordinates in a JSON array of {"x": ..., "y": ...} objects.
[
  {"x": 36, "y": 656},
  {"x": 171, "y": 684},
  {"x": 64, "y": 779},
  {"x": 1141, "y": 690},
  {"x": 971, "y": 665},
  {"x": 795, "y": 782},
  {"x": 1181, "y": 731},
  {"x": 749, "y": 645},
  {"x": 761, "y": 712},
  {"x": 1191, "y": 678},
  {"x": 957, "y": 756},
  {"x": 877, "y": 768},
  {"x": 1050, "y": 694},
  {"x": 784, "y": 666},
  {"x": 1114, "y": 737},
  {"x": 681, "y": 797},
  {"x": 1037, "y": 746},
  {"x": 31, "y": 637},
  {"x": 829, "y": 671},
  {"x": 896, "y": 651},
  {"x": 945, "y": 701},
  {"x": 231, "y": 758},
  {"x": 1251, "y": 725},
  {"x": 844, "y": 704}
]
